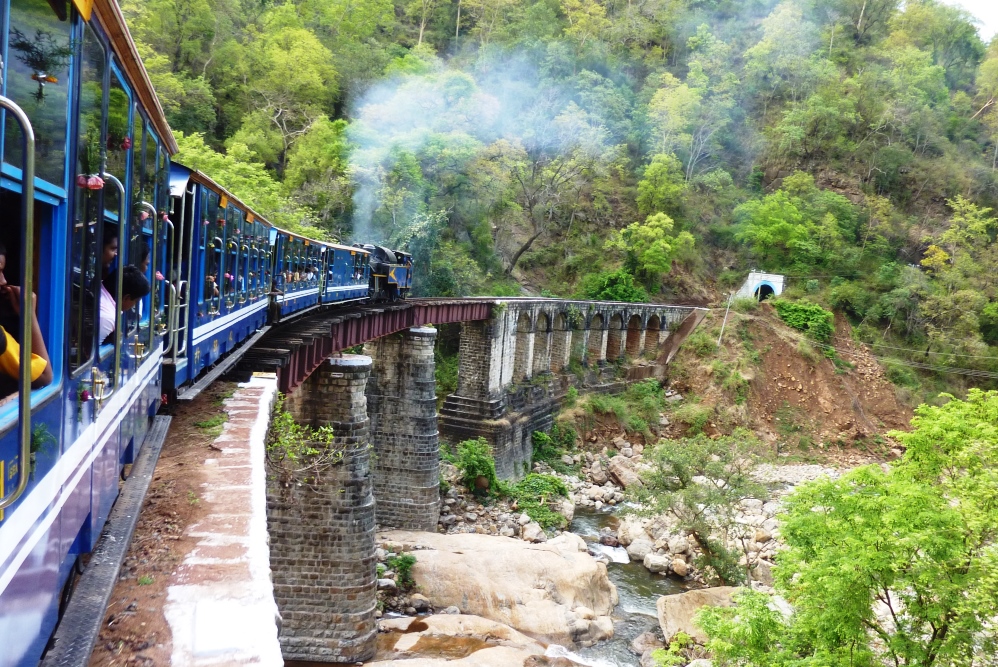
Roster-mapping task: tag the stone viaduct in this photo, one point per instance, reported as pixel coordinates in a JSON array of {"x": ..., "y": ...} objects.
[{"x": 517, "y": 357}]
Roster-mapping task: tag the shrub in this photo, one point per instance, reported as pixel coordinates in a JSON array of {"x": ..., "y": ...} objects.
[
  {"x": 900, "y": 375},
  {"x": 805, "y": 350},
  {"x": 402, "y": 566},
  {"x": 695, "y": 415},
  {"x": 702, "y": 343},
  {"x": 474, "y": 460},
  {"x": 745, "y": 304},
  {"x": 571, "y": 397},
  {"x": 612, "y": 286},
  {"x": 807, "y": 317},
  {"x": 533, "y": 495}
]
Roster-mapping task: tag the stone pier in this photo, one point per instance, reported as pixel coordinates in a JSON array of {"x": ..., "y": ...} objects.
[
  {"x": 322, "y": 529},
  {"x": 401, "y": 404}
]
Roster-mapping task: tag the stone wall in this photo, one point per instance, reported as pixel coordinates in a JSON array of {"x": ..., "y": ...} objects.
[
  {"x": 402, "y": 407},
  {"x": 322, "y": 532}
]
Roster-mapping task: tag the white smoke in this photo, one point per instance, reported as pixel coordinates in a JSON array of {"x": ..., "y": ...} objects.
[{"x": 454, "y": 108}]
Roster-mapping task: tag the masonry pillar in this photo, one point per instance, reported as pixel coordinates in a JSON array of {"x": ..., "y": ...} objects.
[
  {"x": 478, "y": 406},
  {"x": 402, "y": 407},
  {"x": 322, "y": 531}
]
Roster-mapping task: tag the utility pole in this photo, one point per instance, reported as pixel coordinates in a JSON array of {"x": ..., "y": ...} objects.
[{"x": 725, "y": 321}]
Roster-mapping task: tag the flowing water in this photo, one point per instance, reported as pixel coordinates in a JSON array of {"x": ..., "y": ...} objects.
[{"x": 637, "y": 588}]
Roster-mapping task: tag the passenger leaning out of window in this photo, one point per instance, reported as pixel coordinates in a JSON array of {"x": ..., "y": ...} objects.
[
  {"x": 10, "y": 331},
  {"x": 134, "y": 288}
]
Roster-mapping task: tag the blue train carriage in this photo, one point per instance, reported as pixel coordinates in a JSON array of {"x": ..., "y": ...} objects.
[
  {"x": 347, "y": 273},
  {"x": 84, "y": 182},
  {"x": 298, "y": 271},
  {"x": 391, "y": 273},
  {"x": 220, "y": 289}
]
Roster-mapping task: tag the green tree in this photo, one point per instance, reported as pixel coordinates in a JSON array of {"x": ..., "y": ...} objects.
[
  {"x": 662, "y": 188},
  {"x": 651, "y": 246},
  {"x": 700, "y": 481},
  {"x": 890, "y": 565}
]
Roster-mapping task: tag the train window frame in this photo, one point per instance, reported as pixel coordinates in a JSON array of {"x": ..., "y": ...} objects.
[
  {"x": 231, "y": 243},
  {"x": 211, "y": 233},
  {"x": 52, "y": 296},
  {"x": 32, "y": 95},
  {"x": 91, "y": 201}
]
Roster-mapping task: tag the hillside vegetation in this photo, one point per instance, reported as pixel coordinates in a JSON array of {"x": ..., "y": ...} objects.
[{"x": 644, "y": 150}]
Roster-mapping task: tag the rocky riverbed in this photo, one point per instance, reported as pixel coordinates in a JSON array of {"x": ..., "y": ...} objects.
[{"x": 604, "y": 593}]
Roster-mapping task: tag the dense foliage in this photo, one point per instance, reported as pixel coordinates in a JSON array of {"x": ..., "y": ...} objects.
[
  {"x": 617, "y": 150},
  {"x": 892, "y": 566}
]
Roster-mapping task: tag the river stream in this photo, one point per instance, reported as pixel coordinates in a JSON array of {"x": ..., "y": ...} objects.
[{"x": 637, "y": 588}]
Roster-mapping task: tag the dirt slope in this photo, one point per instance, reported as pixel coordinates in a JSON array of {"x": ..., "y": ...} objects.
[{"x": 771, "y": 379}]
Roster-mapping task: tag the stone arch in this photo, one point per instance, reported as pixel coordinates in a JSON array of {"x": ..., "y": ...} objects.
[
  {"x": 652, "y": 330},
  {"x": 542, "y": 336},
  {"x": 594, "y": 352},
  {"x": 613, "y": 337},
  {"x": 561, "y": 342},
  {"x": 634, "y": 331},
  {"x": 524, "y": 343}
]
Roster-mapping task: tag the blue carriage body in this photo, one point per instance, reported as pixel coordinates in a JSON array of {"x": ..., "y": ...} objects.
[{"x": 101, "y": 154}]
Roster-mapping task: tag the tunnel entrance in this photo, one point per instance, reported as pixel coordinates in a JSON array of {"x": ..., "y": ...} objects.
[{"x": 764, "y": 291}]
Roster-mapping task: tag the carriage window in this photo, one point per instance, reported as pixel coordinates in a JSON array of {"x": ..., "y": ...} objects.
[
  {"x": 232, "y": 255},
  {"x": 119, "y": 146},
  {"x": 84, "y": 276},
  {"x": 37, "y": 68},
  {"x": 213, "y": 245}
]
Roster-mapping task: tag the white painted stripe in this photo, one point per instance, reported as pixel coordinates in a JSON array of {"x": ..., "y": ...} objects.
[
  {"x": 281, "y": 298},
  {"x": 52, "y": 492},
  {"x": 348, "y": 288},
  {"x": 206, "y": 331}
]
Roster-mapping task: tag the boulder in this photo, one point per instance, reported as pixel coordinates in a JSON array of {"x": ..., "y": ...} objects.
[
  {"x": 505, "y": 646},
  {"x": 680, "y": 567},
  {"x": 419, "y": 602},
  {"x": 624, "y": 472},
  {"x": 646, "y": 641},
  {"x": 657, "y": 562},
  {"x": 566, "y": 508},
  {"x": 569, "y": 543},
  {"x": 678, "y": 544},
  {"x": 675, "y": 612},
  {"x": 597, "y": 474},
  {"x": 533, "y": 532},
  {"x": 762, "y": 572},
  {"x": 640, "y": 548},
  {"x": 631, "y": 528},
  {"x": 533, "y": 588}
]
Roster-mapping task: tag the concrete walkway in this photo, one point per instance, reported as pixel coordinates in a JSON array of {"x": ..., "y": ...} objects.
[{"x": 220, "y": 604}]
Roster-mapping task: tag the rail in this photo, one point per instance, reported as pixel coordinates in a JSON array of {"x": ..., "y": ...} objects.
[
  {"x": 110, "y": 178},
  {"x": 27, "y": 298}
]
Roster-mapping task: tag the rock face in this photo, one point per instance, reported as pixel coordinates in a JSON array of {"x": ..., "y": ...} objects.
[
  {"x": 489, "y": 644},
  {"x": 675, "y": 612},
  {"x": 534, "y": 588}
]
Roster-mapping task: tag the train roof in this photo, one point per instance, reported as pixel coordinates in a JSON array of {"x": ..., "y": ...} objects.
[
  {"x": 113, "y": 21},
  {"x": 179, "y": 175},
  {"x": 328, "y": 244}
]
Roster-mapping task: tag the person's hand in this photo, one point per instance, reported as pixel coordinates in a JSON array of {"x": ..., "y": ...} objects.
[{"x": 13, "y": 295}]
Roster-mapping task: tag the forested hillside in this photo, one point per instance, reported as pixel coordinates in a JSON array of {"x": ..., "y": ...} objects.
[{"x": 649, "y": 149}]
